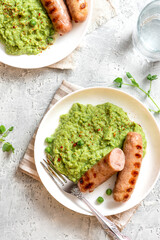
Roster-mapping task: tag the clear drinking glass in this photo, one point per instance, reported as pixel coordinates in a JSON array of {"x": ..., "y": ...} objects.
[{"x": 146, "y": 35}]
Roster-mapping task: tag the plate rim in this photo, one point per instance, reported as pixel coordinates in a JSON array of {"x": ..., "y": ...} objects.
[
  {"x": 66, "y": 54},
  {"x": 84, "y": 212}
]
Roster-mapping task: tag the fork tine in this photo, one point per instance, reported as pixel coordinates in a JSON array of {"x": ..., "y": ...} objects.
[
  {"x": 49, "y": 155},
  {"x": 53, "y": 172},
  {"x": 49, "y": 173}
]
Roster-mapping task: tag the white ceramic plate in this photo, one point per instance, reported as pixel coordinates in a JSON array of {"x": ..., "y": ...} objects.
[
  {"x": 62, "y": 48},
  {"x": 150, "y": 166}
]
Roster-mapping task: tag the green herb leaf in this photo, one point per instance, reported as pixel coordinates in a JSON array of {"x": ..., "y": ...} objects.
[
  {"x": 149, "y": 77},
  {"x": 132, "y": 79},
  {"x": 11, "y": 129},
  {"x": 134, "y": 82},
  {"x": 152, "y": 77},
  {"x": 128, "y": 75},
  {"x": 7, "y": 147},
  {"x": 5, "y": 134},
  {"x": 119, "y": 82},
  {"x": 2, "y": 129}
]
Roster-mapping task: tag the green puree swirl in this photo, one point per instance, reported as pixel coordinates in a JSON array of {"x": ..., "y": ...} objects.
[
  {"x": 24, "y": 27},
  {"x": 86, "y": 134}
]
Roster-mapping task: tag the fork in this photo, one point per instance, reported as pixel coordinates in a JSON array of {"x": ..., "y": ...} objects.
[{"x": 70, "y": 187}]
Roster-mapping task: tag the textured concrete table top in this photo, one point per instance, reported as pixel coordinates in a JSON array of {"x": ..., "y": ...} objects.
[{"x": 27, "y": 211}]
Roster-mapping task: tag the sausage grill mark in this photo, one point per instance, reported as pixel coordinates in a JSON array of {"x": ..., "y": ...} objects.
[
  {"x": 47, "y": 3},
  {"x": 54, "y": 9},
  {"x": 88, "y": 186},
  {"x": 135, "y": 173},
  {"x": 55, "y": 19},
  {"x": 139, "y": 147},
  {"x": 126, "y": 196},
  {"x": 138, "y": 155},
  {"x": 86, "y": 176},
  {"x": 105, "y": 160},
  {"x": 132, "y": 181},
  {"x": 94, "y": 174},
  {"x": 137, "y": 164},
  {"x": 129, "y": 189}
]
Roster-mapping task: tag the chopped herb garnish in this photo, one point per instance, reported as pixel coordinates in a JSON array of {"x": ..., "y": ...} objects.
[
  {"x": 7, "y": 147},
  {"x": 2, "y": 129}
]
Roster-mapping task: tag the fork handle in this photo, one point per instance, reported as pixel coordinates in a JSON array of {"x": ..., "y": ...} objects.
[{"x": 109, "y": 226}]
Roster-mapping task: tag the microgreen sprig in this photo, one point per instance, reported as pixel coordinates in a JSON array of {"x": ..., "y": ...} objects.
[
  {"x": 7, "y": 147},
  {"x": 119, "y": 82}
]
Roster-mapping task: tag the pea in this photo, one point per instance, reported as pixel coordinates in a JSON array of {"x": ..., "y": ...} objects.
[
  {"x": 109, "y": 191},
  {"x": 80, "y": 143},
  {"x": 47, "y": 149},
  {"x": 100, "y": 199},
  {"x": 49, "y": 140},
  {"x": 50, "y": 40},
  {"x": 32, "y": 23}
]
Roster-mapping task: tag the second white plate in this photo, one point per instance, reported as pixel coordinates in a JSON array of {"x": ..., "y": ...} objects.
[
  {"x": 150, "y": 165},
  {"x": 62, "y": 48}
]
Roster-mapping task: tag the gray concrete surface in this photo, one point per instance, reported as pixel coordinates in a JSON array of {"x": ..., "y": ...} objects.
[{"x": 27, "y": 211}]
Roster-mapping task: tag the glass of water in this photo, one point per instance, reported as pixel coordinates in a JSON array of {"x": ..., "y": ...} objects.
[{"x": 146, "y": 35}]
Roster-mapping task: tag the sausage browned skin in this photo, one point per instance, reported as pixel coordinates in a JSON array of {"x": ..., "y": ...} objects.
[
  {"x": 59, "y": 15},
  {"x": 78, "y": 9},
  {"x": 103, "y": 170},
  {"x": 126, "y": 180}
]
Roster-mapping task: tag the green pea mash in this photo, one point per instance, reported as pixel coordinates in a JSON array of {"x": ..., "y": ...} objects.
[
  {"x": 86, "y": 134},
  {"x": 24, "y": 27}
]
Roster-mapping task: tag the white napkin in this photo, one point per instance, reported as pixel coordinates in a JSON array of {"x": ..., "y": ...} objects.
[{"x": 103, "y": 10}]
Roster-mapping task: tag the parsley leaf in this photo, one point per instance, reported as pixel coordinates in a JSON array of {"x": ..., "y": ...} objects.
[
  {"x": 11, "y": 129},
  {"x": 132, "y": 79},
  {"x": 7, "y": 147},
  {"x": 2, "y": 129},
  {"x": 152, "y": 77},
  {"x": 128, "y": 75},
  {"x": 119, "y": 82}
]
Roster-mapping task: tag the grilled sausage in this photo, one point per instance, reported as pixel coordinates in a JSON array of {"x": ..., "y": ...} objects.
[
  {"x": 126, "y": 180},
  {"x": 59, "y": 15},
  {"x": 78, "y": 9},
  {"x": 102, "y": 171}
]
